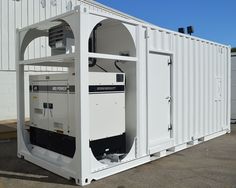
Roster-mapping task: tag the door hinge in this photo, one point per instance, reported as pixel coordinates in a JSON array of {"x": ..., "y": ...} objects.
[
  {"x": 170, "y": 127},
  {"x": 170, "y": 61}
]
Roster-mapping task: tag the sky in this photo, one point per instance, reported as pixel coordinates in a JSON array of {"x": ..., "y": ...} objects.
[{"x": 214, "y": 20}]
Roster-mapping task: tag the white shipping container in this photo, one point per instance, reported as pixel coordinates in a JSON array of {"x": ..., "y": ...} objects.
[
  {"x": 177, "y": 91},
  {"x": 233, "y": 87},
  {"x": 17, "y": 14}
]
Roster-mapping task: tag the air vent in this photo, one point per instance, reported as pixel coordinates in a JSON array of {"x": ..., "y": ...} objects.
[{"x": 58, "y": 36}]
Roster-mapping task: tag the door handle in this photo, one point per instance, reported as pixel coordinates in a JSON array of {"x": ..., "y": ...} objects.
[
  {"x": 45, "y": 106},
  {"x": 168, "y": 98},
  {"x": 50, "y": 110},
  {"x": 170, "y": 127}
]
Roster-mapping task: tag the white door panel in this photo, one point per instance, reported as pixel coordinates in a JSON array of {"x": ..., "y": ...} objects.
[
  {"x": 38, "y": 113},
  {"x": 106, "y": 115},
  {"x": 158, "y": 99},
  {"x": 49, "y": 106},
  {"x": 58, "y": 106}
]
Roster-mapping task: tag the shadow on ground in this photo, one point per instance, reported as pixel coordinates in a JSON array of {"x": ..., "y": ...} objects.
[
  {"x": 13, "y": 167},
  {"x": 211, "y": 164}
]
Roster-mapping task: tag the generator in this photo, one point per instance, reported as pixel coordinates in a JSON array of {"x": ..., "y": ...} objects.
[
  {"x": 131, "y": 92},
  {"x": 52, "y": 124}
]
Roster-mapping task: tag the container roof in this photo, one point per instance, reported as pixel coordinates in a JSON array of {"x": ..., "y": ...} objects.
[{"x": 128, "y": 17}]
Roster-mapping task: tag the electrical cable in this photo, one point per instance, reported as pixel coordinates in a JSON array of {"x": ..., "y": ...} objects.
[
  {"x": 101, "y": 67},
  {"x": 115, "y": 63},
  {"x": 93, "y": 45}
]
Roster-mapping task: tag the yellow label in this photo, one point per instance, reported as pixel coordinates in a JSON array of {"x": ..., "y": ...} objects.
[{"x": 35, "y": 97}]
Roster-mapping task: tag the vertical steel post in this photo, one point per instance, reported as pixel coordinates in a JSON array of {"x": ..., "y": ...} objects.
[
  {"x": 20, "y": 96},
  {"x": 82, "y": 97}
]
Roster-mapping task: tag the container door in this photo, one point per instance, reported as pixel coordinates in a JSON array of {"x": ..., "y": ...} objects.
[
  {"x": 58, "y": 106},
  {"x": 159, "y": 98}
]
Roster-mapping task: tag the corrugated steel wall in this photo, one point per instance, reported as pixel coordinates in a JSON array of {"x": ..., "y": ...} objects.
[
  {"x": 200, "y": 84},
  {"x": 20, "y": 13},
  {"x": 200, "y": 71}
]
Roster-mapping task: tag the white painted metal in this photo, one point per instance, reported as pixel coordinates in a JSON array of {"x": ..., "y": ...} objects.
[
  {"x": 159, "y": 98},
  {"x": 107, "y": 109},
  {"x": 8, "y": 95},
  {"x": 233, "y": 87},
  {"x": 38, "y": 115},
  {"x": 17, "y": 14},
  {"x": 199, "y": 82}
]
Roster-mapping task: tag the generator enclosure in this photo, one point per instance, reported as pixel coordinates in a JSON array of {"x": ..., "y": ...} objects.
[
  {"x": 52, "y": 99},
  {"x": 132, "y": 92}
]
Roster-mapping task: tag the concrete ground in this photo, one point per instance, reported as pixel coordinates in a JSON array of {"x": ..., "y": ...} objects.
[{"x": 211, "y": 164}]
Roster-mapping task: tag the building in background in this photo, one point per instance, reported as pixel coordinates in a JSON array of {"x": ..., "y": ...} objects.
[
  {"x": 233, "y": 85},
  {"x": 17, "y": 14}
]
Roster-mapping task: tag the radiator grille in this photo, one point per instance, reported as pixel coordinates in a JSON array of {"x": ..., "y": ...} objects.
[{"x": 58, "y": 36}]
